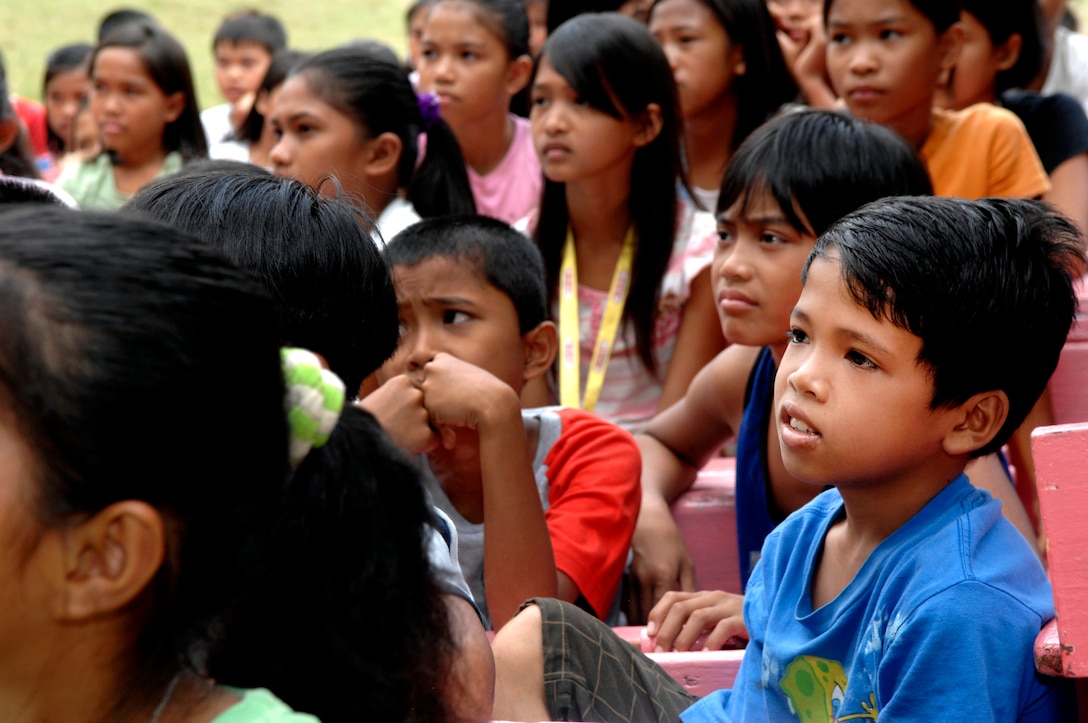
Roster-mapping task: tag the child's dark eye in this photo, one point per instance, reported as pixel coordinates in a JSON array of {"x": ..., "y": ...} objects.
[
  {"x": 796, "y": 336},
  {"x": 890, "y": 34},
  {"x": 839, "y": 39},
  {"x": 450, "y": 316},
  {"x": 860, "y": 360},
  {"x": 725, "y": 235}
]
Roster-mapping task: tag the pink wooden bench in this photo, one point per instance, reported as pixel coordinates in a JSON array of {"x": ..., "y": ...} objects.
[
  {"x": 1061, "y": 467},
  {"x": 700, "y": 672},
  {"x": 706, "y": 516}
]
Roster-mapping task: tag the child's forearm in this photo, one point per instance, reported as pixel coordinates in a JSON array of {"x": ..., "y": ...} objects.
[{"x": 518, "y": 558}]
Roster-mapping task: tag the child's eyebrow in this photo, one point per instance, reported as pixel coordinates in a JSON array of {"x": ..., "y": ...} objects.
[
  {"x": 885, "y": 20},
  {"x": 448, "y": 301},
  {"x": 798, "y": 314}
]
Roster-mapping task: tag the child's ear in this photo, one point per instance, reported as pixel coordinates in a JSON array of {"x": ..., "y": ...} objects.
[
  {"x": 175, "y": 104},
  {"x": 949, "y": 44},
  {"x": 9, "y": 131},
  {"x": 517, "y": 74},
  {"x": 541, "y": 344},
  {"x": 980, "y": 418},
  {"x": 649, "y": 125},
  {"x": 384, "y": 154},
  {"x": 110, "y": 559},
  {"x": 1008, "y": 52}
]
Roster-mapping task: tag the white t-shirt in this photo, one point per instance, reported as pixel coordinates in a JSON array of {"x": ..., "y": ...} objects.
[{"x": 1068, "y": 66}]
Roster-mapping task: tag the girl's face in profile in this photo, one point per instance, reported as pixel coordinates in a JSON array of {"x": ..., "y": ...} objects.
[
  {"x": 131, "y": 110},
  {"x": 704, "y": 61},
  {"x": 576, "y": 141},
  {"x": 314, "y": 140}
]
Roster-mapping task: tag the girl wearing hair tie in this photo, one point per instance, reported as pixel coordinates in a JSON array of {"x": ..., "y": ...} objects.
[
  {"x": 255, "y": 553},
  {"x": 347, "y": 118}
]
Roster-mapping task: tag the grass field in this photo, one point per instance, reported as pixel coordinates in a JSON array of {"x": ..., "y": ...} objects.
[{"x": 30, "y": 29}]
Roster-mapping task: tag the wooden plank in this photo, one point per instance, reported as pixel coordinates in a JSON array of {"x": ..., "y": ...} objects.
[{"x": 1061, "y": 464}]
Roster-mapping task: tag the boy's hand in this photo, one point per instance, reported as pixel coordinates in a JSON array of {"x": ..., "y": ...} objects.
[
  {"x": 459, "y": 394},
  {"x": 681, "y": 618},
  {"x": 660, "y": 561},
  {"x": 398, "y": 407},
  {"x": 239, "y": 111}
]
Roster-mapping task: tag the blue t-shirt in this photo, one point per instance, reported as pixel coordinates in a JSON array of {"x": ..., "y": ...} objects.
[{"x": 938, "y": 624}]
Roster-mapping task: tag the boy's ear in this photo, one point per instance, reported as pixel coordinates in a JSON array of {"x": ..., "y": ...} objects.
[
  {"x": 1008, "y": 52},
  {"x": 110, "y": 559},
  {"x": 982, "y": 417},
  {"x": 517, "y": 74},
  {"x": 649, "y": 125},
  {"x": 384, "y": 156},
  {"x": 175, "y": 104},
  {"x": 9, "y": 131},
  {"x": 949, "y": 44},
  {"x": 541, "y": 344}
]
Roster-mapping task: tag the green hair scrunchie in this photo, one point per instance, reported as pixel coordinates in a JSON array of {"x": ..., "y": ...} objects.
[{"x": 315, "y": 398}]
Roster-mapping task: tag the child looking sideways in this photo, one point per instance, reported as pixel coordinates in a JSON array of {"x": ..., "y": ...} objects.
[
  {"x": 627, "y": 256},
  {"x": 885, "y": 59},
  {"x": 543, "y": 499},
  {"x": 243, "y": 47},
  {"x": 1002, "y": 50},
  {"x": 352, "y": 116},
  {"x": 730, "y": 77},
  {"x": 475, "y": 58},
  {"x": 857, "y": 596}
]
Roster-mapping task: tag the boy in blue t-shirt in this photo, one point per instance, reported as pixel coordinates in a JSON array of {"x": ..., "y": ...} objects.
[{"x": 902, "y": 593}]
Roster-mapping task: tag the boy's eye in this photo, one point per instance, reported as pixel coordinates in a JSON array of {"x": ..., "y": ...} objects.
[
  {"x": 860, "y": 360},
  {"x": 451, "y": 316},
  {"x": 890, "y": 34},
  {"x": 469, "y": 54},
  {"x": 839, "y": 39},
  {"x": 796, "y": 336},
  {"x": 725, "y": 234},
  {"x": 769, "y": 237}
]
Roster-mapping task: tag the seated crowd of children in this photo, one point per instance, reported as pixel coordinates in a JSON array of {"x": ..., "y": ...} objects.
[{"x": 482, "y": 315}]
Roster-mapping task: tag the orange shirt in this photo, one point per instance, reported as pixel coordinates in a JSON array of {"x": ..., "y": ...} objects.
[{"x": 982, "y": 151}]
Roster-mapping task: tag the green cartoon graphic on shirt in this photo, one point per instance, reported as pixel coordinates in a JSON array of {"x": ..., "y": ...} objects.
[{"x": 815, "y": 688}]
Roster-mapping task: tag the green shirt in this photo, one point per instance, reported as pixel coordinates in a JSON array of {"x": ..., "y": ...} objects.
[
  {"x": 260, "y": 706},
  {"x": 92, "y": 186}
]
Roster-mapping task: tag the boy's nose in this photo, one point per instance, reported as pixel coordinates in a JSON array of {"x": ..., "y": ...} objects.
[{"x": 807, "y": 380}]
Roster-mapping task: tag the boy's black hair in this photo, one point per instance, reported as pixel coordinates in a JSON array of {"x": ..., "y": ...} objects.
[
  {"x": 849, "y": 162},
  {"x": 987, "y": 285},
  {"x": 1004, "y": 18},
  {"x": 942, "y": 13},
  {"x": 503, "y": 257},
  {"x": 251, "y": 26}
]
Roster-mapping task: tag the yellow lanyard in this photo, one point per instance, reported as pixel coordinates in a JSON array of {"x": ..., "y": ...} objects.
[{"x": 569, "y": 371}]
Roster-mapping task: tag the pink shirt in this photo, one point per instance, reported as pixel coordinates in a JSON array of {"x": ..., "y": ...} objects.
[
  {"x": 511, "y": 191},
  {"x": 630, "y": 394}
]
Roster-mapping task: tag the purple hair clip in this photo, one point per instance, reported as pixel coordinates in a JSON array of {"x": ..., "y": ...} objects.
[{"x": 428, "y": 108}]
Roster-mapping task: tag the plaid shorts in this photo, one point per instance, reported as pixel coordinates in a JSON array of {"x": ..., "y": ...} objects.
[{"x": 590, "y": 674}]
